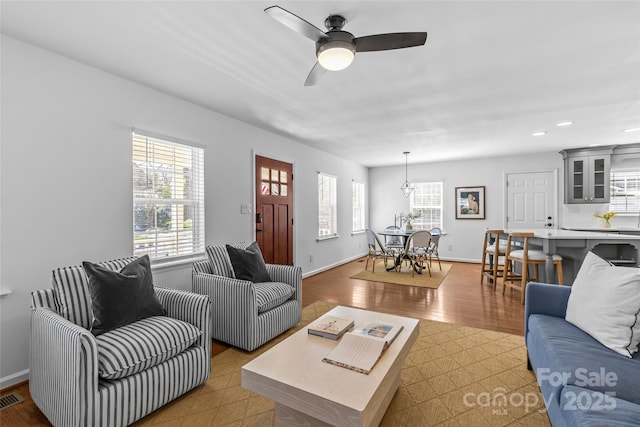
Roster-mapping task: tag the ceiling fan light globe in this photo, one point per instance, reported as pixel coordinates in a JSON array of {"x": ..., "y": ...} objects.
[{"x": 335, "y": 56}]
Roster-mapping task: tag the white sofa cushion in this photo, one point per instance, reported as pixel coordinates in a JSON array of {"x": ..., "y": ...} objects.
[
  {"x": 142, "y": 344},
  {"x": 605, "y": 303}
]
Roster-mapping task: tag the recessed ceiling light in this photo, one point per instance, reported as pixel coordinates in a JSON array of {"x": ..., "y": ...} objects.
[
  {"x": 632, "y": 130},
  {"x": 564, "y": 123},
  {"x": 538, "y": 133}
]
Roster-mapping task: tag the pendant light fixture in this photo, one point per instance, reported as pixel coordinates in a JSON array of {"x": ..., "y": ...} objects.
[{"x": 406, "y": 188}]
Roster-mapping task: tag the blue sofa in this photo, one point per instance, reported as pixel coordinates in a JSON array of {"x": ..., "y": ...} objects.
[{"x": 583, "y": 382}]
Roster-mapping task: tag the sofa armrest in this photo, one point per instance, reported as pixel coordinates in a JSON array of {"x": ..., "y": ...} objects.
[
  {"x": 191, "y": 308},
  {"x": 63, "y": 369},
  {"x": 544, "y": 298},
  {"x": 287, "y": 274}
]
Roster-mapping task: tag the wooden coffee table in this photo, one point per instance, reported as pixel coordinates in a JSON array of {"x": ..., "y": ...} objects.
[{"x": 308, "y": 391}]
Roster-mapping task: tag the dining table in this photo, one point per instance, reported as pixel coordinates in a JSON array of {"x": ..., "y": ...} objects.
[{"x": 405, "y": 235}]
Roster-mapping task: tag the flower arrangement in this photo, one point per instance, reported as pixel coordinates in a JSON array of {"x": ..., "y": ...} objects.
[
  {"x": 410, "y": 217},
  {"x": 606, "y": 216}
]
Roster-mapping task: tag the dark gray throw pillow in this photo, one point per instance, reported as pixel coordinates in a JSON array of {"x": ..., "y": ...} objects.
[
  {"x": 248, "y": 264},
  {"x": 120, "y": 298}
]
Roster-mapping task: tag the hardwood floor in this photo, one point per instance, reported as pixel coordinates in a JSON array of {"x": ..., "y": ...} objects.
[{"x": 459, "y": 299}]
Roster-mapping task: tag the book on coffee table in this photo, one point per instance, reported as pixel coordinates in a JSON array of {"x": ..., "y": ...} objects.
[
  {"x": 360, "y": 350},
  {"x": 331, "y": 327}
]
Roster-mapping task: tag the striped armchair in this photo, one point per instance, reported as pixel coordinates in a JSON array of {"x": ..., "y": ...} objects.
[
  {"x": 247, "y": 314},
  {"x": 68, "y": 363}
]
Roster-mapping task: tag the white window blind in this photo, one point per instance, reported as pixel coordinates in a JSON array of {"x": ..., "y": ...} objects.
[
  {"x": 358, "y": 206},
  {"x": 327, "y": 206},
  {"x": 168, "y": 198},
  {"x": 625, "y": 191},
  {"x": 426, "y": 200}
]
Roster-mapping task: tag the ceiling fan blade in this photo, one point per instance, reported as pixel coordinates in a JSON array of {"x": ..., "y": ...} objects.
[
  {"x": 389, "y": 41},
  {"x": 296, "y": 23},
  {"x": 314, "y": 76}
]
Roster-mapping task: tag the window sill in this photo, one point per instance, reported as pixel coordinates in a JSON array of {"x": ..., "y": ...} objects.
[
  {"x": 160, "y": 265},
  {"x": 323, "y": 238},
  {"x": 355, "y": 233}
]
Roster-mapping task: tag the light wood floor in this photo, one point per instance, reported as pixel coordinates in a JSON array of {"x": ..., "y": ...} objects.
[{"x": 459, "y": 299}]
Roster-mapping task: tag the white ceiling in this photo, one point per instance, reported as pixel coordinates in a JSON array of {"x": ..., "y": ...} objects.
[{"x": 490, "y": 74}]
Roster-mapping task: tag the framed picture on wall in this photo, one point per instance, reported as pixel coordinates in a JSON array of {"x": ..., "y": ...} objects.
[{"x": 470, "y": 202}]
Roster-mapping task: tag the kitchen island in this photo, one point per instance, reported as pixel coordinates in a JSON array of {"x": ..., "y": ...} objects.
[{"x": 620, "y": 249}]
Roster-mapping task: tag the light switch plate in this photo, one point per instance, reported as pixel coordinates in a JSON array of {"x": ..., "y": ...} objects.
[{"x": 246, "y": 209}]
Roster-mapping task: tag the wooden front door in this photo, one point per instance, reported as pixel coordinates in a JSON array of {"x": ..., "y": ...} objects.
[{"x": 274, "y": 210}]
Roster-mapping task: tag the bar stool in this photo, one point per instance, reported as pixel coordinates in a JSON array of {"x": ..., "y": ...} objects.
[
  {"x": 526, "y": 257},
  {"x": 493, "y": 248}
]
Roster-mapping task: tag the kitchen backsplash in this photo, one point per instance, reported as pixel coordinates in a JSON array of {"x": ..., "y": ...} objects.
[{"x": 582, "y": 216}]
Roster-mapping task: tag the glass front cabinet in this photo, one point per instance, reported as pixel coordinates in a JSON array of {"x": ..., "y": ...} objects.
[{"x": 587, "y": 175}]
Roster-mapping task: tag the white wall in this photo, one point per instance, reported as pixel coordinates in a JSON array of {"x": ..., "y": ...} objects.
[
  {"x": 463, "y": 236},
  {"x": 66, "y": 179}
]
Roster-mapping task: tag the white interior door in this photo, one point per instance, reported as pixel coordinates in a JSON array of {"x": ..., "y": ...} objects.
[{"x": 531, "y": 200}]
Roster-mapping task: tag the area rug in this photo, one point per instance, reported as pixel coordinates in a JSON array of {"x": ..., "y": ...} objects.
[
  {"x": 403, "y": 277},
  {"x": 454, "y": 376}
]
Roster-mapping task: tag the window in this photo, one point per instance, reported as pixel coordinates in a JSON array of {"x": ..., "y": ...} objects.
[
  {"x": 327, "y": 206},
  {"x": 168, "y": 198},
  {"x": 358, "y": 206},
  {"x": 426, "y": 200},
  {"x": 625, "y": 191}
]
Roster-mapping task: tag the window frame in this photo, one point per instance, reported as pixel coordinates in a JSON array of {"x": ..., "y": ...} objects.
[
  {"x": 332, "y": 181},
  {"x": 419, "y": 223},
  {"x": 634, "y": 200},
  {"x": 358, "y": 207},
  {"x": 181, "y": 164}
]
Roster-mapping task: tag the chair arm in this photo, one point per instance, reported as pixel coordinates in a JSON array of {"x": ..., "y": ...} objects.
[
  {"x": 191, "y": 308},
  {"x": 287, "y": 274},
  {"x": 232, "y": 300},
  {"x": 63, "y": 369},
  {"x": 544, "y": 298}
]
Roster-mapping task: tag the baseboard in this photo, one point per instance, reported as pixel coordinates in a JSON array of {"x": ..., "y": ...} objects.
[
  {"x": 353, "y": 258},
  {"x": 472, "y": 261},
  {"x": 14, "y": 379},
  {"x": 335, "y": 264}
]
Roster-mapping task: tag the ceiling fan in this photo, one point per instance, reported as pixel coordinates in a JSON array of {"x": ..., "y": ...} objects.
[{"x": 335, "y": 49}]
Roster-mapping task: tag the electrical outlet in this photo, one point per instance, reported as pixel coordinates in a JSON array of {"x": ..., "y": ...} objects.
[
  {"x": 246, "y": 209},
  {"x": 310, "y": 258},
  {"x": 450, "y": 248}
]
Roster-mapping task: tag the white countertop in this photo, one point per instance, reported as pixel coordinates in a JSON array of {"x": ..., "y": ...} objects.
[
  {"x": 600, "y": 229},
  {"x": 572, "y": 234}
]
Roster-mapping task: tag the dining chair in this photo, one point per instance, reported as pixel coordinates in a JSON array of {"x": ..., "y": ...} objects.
[
  {"x": 394, "y": 242},
  {"x": 436, "y": 232},
  {"x": 416, "y": 251},
  {"x": 377, "y": 250},
  {"x": 526, "y": 257},
  {"x": 494, "y": 250}
]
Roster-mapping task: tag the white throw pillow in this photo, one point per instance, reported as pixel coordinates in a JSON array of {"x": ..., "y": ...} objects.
[{"x": 605, "y": 303}]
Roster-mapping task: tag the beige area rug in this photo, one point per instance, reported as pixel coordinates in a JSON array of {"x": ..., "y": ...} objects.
[
  {"x": 454, "y": 376},
  {"x": 403, "y": 277}
]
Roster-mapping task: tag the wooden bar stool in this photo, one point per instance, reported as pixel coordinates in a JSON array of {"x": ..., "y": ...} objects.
[
  {"x": 492, "y": 249},
  {"x": 526, "y": 257}
]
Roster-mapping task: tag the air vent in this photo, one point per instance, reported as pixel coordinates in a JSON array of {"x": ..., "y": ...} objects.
[{"x": 10, "y": 399}]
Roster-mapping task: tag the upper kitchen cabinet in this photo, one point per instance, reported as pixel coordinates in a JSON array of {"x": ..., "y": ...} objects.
[{"x": 587, "y": 175}]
